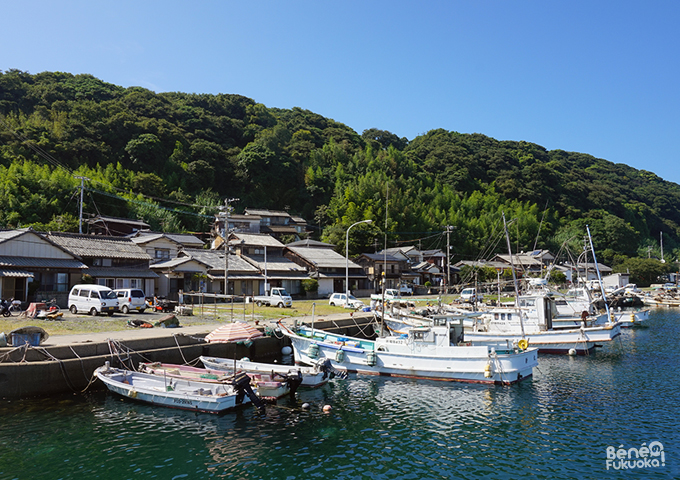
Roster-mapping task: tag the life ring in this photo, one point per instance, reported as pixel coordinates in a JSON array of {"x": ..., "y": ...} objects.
[{"x": 523, "y": 344}]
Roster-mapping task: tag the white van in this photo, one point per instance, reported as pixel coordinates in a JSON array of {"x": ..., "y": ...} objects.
[{"x": 92, "y": 299}]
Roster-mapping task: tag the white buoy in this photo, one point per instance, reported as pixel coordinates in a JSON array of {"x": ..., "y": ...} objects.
[
  {"x": 286, "y": 350},
  {"x": 305, "y": 406},
  {"x": 327, "y": 408},
  {"x": 572, "y": 351}
]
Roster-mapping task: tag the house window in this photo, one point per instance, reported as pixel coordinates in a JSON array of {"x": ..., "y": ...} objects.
[
  {"x": 62, "y": 282},
  {"x": 162, "y": 254},
  {"x": 107, "y": 282}
]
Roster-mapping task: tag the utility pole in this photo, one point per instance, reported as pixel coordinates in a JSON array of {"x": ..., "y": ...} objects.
[
  {"x": 82, "y": 189},
  {"x": 448, "y": 256},
  {"x": 227, "y": 209}
]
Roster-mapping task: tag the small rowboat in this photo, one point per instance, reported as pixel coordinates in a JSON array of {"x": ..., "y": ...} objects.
[
  {"x": 179, "y": 393},
  {"x": 265, "y": 386},
  {"x": 312, "y": 377}
]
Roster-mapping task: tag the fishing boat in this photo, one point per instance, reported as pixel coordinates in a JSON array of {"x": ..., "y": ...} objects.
[
  {"x": 176, "y": 392},
  {"x": 532, "y": 320},
  {"x": 431, "y": 352},
  {"x": 313, "y": 376},
  {"x": 265, "y": 385}
]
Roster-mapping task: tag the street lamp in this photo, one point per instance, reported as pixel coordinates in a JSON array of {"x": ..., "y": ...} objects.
[{"x": 347, "y": 259}]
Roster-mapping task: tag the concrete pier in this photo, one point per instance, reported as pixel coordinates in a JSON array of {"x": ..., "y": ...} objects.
[{"x": 65, "y": 363}]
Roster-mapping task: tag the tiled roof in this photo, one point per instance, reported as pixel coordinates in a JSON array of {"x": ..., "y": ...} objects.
[
  {"x": 279, "y": 228},
  {"x": 310, "y": 244},
  {"x": 28, "y": 262},
  {"x": 323, "y": 257},
  {"x": 10, "y": 234},
  {"x": 275, "y": 263},
  {"x": 98, "y": 246},
  {"x": 15, "y": 273},
  {"x": 185, "y": 238},
  {"x": 266, "y": 213},
  {"x": 377, "y": 257},
  {"x": 113, "y": 272},
  {"x": 254, "y": 239},
  {"x": 215, "y": 259},
  {"x": 146, "y": 238}
]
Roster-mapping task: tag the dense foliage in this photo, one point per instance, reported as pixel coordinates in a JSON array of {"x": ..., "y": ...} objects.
[{"x": 172, "y": 158}]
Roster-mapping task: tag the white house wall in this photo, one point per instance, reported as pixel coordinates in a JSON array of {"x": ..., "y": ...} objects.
[
  {"x": 160, "y": 244},
  {"x": 31, "y": 245}
]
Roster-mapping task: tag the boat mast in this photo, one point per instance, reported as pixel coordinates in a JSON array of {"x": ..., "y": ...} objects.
[
  {"x": 384, "y": 272},
  {"x": 514, "y": 277},
  {"x": 599, "y": 277}
]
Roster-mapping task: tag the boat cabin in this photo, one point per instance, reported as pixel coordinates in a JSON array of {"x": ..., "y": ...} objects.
[{"x": 446, "y": 330}]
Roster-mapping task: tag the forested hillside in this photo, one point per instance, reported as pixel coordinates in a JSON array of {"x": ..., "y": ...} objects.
[{"x": 172, "y": 158}]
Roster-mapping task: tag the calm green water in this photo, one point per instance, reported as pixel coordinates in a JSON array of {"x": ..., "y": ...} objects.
[{"x": 557, "y": 425}]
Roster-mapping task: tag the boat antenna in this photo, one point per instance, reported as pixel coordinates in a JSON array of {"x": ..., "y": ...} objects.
[
  {"x": 540, "y": 224},
  {"x": 599, "y": 277},
  {"x": 514, "y": 277}
]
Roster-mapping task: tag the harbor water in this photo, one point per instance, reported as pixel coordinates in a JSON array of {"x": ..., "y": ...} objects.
[{"x": 575, "y": 418}]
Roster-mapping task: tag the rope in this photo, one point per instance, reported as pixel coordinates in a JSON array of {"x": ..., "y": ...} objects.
[
  {"x": 82, "y": 367},
  {"x": 61, "y": 367},
  {"x": 500, "y": 365},
  {"x": 92, "y": 380},
  {"x": 7, "y": 355},
  {"x": 194, "y": 362}
]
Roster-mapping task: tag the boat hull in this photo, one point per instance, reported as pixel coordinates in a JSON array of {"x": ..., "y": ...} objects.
[
  {"x": 459, "y": 363},
  {"x": 311, "y": 376},
  {"x": 581, "y": 340},
  {"x": 186, "y": 395},
  {"x": 263, "y": 384}
]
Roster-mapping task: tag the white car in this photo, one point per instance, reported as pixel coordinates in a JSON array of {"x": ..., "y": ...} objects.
[
  {"x": 341, "y": 300},
  {"x": 131, "y": 299},
  {"x": 470, "y": 295}
]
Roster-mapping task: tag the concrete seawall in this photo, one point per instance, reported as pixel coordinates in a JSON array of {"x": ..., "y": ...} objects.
[{"x": 67, "y": 362}]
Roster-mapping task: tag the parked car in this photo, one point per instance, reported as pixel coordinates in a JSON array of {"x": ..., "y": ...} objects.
[
  {"x": 405, "y": 289},
  {"x": 278, "y": 297},
  {"x": 342, "y": 300},
  {"x": 131, "y": 299},
  {"x": 92, "y": 299},
  {"x": 470, "y": 295},
  {"x": 390, "y": 294}
]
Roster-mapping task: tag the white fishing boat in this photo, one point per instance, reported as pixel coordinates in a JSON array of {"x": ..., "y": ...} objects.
[
  {"x": 264, "y": 384},
  {"x": 431, "y": 352},
  {"x": 174, "y": 392},
  {"x": 313, "y": 376},
  {"x": 532, "y": 320}
]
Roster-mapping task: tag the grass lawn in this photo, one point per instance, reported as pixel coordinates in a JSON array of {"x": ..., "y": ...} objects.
[{"x": 209, "y": 314}]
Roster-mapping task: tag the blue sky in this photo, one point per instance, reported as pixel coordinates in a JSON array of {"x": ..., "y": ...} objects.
[{"x": 593, "y": 77}]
